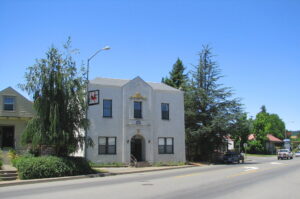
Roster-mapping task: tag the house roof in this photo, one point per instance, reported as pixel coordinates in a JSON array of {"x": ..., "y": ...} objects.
[
  {"x": 122, "y": 82},
  {"x": 270, "y": 137},
  {"x": 24, "y": 107},
  {"x": 251, "y": 137}
]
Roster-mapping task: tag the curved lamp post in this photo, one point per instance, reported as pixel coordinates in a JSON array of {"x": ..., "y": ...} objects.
[{"x": 87, "y": 89}]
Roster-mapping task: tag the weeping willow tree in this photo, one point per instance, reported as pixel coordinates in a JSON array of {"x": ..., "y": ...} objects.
[{"x": 58, "y": 91}]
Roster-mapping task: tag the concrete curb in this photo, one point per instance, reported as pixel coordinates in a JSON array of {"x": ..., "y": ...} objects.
[
  {"x": 34, "y": 181},
  {"x": 151, "y": 170}
]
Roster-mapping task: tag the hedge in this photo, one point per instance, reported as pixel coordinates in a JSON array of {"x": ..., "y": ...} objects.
[{"x": 51, "y": 166}]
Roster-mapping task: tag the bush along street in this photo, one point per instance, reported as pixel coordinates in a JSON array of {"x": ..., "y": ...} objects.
[{"x": 30, "y": 167}]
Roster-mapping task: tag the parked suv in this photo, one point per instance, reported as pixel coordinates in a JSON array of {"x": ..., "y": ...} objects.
[
  {"x": 233, "y": 157},
  {"x": 284, "y": 154}
]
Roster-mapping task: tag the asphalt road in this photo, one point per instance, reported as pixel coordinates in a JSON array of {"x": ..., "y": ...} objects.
[{"x": 264, "y": 177}]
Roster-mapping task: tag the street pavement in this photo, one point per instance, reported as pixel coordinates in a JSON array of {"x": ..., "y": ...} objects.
[{"x": 259, "y": 177}]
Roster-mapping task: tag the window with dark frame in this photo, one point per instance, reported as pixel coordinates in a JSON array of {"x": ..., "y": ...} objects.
[
  {"x": 107, "y": 145},
  {"x": 107, "y": 108},
  {"x": 137, "y": 109},
  {"x": 9, "y": 103},
  {"x": 165, "y": 145},
  {"x": 165, "y": 111}
]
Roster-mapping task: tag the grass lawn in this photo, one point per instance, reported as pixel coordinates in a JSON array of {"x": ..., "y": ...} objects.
[{"x": 98, "y": 170}]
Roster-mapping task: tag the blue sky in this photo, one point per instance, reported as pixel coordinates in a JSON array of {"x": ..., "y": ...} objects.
[{"x": 256, "y": 43}]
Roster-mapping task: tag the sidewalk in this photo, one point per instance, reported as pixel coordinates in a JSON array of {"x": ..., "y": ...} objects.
[
  {"x": 128, "y": 170},
  {"x": 107, "y": 172}
]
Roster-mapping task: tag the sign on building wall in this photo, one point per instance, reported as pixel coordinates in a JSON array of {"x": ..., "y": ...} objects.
[{"x": 93, "y": 97}]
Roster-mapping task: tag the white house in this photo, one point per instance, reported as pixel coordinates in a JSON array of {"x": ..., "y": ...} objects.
[{"x": 135, "y": 118}]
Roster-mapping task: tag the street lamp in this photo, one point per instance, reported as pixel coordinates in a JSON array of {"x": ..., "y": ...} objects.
[{"x": 87, "y": 88}]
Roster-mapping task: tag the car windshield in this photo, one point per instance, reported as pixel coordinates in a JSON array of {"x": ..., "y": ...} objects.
[{"x": 283, "y": 150}]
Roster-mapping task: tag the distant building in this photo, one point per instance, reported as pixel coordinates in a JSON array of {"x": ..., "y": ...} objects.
[
  {"x": 271, "y": 143},
  {"x": 15, "y": 111},
  {"x": 134, "y": 118}
]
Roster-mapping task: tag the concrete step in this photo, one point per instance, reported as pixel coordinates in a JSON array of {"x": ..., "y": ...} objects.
[
  {"x": 142, "y": 164},
  {"x": 7, "y": 171},
  {"x": 8, "y": 175},
  {"x": 8, "y": 178}
]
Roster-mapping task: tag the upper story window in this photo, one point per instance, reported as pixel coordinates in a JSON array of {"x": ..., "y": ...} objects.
[
  {"x": 107, "y": 108},
  {"x": 137, "y": 109},
  {"x": 9, "y": 103},
  {"x": 164, "y": 111}
]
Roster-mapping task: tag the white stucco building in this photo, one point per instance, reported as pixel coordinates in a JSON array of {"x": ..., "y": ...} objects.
[{"x": 134, "y": 117}]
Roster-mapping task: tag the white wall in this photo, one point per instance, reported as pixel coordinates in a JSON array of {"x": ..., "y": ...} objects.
[{"x": 124, "y": 127}]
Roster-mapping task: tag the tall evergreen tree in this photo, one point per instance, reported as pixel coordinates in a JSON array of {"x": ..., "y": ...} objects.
[
  {"x": 59, "y": 101},
  {"x": 177, "y": 77},
  {"x": 210, "y": 108}
]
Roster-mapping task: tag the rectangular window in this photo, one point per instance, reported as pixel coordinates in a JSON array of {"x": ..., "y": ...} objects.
[
  {"x": 107, "y": 145},
  {"x": 137, "y": 109},
  {"x": 9, "y": 103},
  {"x": 164, "y": 111},
  {"x": 166, "y": 145},
  {"x": 107, "y": 108}
]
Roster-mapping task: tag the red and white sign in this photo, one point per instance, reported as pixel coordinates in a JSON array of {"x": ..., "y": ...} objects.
[{"x": 94, "y": 97}]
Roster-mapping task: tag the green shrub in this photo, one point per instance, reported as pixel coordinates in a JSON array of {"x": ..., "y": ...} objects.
[
  {"x": 12, "y": 154},
  {"x": 30, "y": 167},
  {"x": 255, "y": 146}
]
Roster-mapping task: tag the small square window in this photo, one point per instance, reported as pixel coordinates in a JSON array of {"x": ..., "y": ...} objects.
[{"x": 9, "y": 103}]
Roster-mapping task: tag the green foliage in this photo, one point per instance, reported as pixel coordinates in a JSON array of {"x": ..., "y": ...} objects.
[
  {"x": 30, "y": 167},
  {"x": 210, "y": 109},
  {"x": 255, "y": 146},
  {"x": 111, "y": 164},
  {"x": 177, "y": 77},
  {"x": 58, "y": 91},
  {"x": 266, "y": 123},
  {"x": 12, "y": 154},
  {"x": 240, "y": 130}
]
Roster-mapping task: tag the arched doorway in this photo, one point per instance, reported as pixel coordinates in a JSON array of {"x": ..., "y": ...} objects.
[{"x": 138, "y": 147}]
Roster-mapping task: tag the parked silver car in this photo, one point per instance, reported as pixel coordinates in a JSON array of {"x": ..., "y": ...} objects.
[{"x": 297, "y": 154}]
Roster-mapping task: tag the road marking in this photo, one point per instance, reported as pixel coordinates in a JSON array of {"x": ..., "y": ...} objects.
[
  {"x": 243, "y": 173},
  {"x": 276, "y": 163},
  {"x": 251, "y": 168},
  {"x": 188, "y": 175}
]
